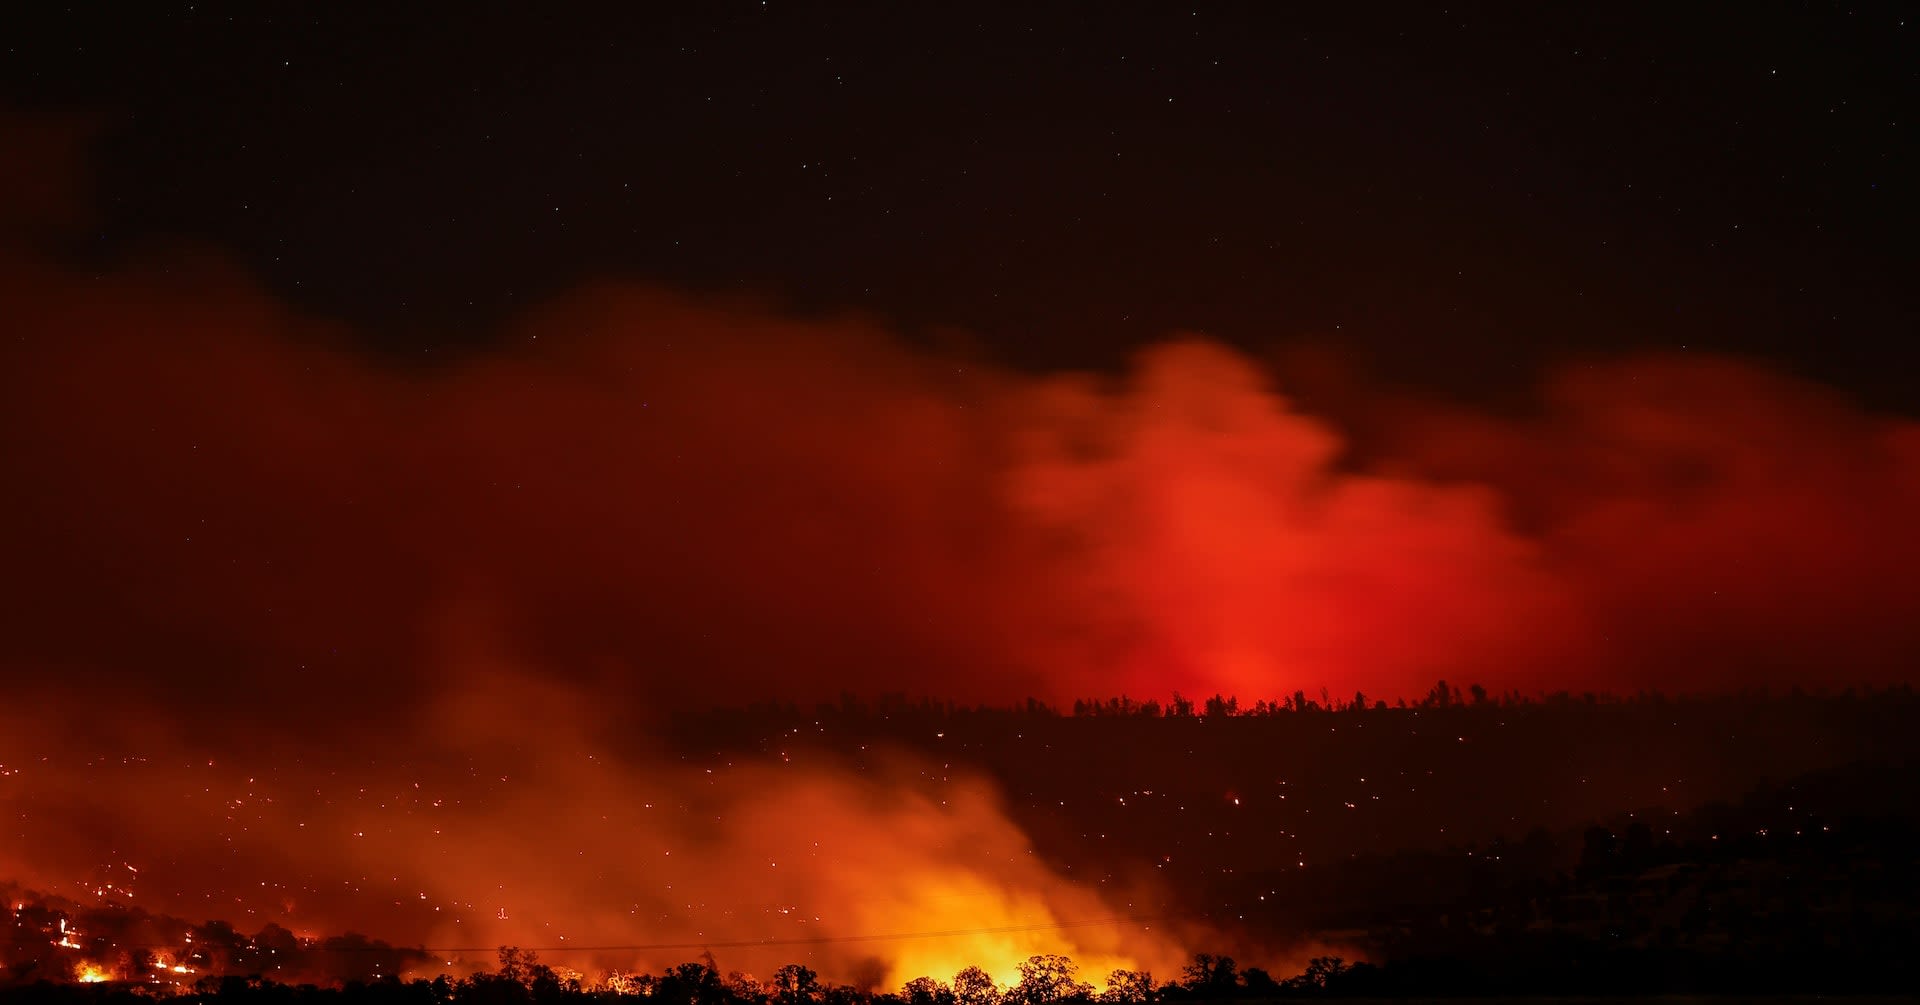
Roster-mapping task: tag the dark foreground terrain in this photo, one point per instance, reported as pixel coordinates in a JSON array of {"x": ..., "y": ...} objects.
[{"x": 1462, "y": 846}]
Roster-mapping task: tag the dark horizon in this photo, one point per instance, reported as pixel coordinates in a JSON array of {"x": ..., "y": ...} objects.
[
  {"x": 1454, "y": 200},
  {"x": 1563, "y": 826}
]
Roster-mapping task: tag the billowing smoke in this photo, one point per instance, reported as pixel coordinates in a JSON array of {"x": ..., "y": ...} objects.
[
  {"x": 663, "y": 497},
  {"x": 229, "y": 534},
  {"x": 828, "y": 860},
  {"x": 511, "y": 812}
]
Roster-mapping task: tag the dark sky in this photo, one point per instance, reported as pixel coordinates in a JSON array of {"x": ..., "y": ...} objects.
[
  {"x": 735, "y": 351},
  {"x": 1454, "y": 198}
]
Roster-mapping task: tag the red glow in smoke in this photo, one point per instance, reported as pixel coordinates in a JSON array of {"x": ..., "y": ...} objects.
[
  {"x": 657, "y": 495},
  {"x": 223, "y": 526}
]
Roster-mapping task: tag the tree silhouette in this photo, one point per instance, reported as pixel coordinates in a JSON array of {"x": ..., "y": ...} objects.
[
  {"x": 1259, "y": 983},
  {"x": 794, "y": 984},
  {"x": 1046, "y": 979},
  {"x": 973, "y": 986},
  {"x": 1128, "y": 986},
  {"x": 1323, "y": 973},
  {"x": 927, "y": 991},
  {"x": 517, "y": 964},
  {"x": 691, "y": 984},
  {"x": 217, "y": 947},
  {"x": 276, "y": 947},
  {"x": 1210, "y": 975}
]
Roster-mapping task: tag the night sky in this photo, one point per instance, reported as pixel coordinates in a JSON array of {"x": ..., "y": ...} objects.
[
  {"x": 394, "y": 401},
  {"x": 1451, "y": 197},
  {"x": 978, "y": 355}
]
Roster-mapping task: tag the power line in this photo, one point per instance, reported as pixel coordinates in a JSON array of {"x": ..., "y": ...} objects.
[
  {"x": 819, "y": 940},
  {"x": 792, "y": 940},
  {"x": 804, "y": 940}
]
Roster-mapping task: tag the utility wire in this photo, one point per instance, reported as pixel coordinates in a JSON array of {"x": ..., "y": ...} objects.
[
  {"x": 818, "y": 940},
  {"x": 802, "y": 940}
]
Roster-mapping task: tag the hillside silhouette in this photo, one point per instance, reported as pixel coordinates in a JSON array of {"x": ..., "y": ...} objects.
[{"x": 1804, "y": 884}]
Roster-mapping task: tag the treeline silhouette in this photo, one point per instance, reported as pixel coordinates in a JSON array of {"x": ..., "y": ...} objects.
[
  {"x": 523, "y": 979},
  {"x": 1762, "y": 895},
  {"x": 1572, "y": 968},
  {"x": 1204, "y": 793},
  {"x": 55, "y": 940},
  {"x": 1467, "y": 843},
  {"x": 1441, "y": 695},
  {"x": 1756, "y": 896}
]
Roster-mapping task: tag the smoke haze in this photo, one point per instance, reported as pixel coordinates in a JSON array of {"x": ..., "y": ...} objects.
[{"x": 232, "y": 540}]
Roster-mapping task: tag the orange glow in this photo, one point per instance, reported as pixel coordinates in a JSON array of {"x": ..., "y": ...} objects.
[
  {"x": 93, "y": 973},
  {"x": 1005, "y": 927},
  {"x": 1184, "y": 526},
  {"x": 785, "y": 851},
  {"x": 514, "y": 566}
]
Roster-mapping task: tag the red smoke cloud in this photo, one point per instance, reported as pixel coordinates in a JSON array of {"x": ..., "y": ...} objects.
[
  {"x": 1719, "y": 524},
  {"x": 225, "y": 532},
  {"x": 659, "y": 495}
]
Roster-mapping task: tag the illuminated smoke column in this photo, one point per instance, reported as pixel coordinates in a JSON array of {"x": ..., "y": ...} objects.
[
  {"x": 502, "y": 815},
  {"x": 231, "y": 537},
  {"x": 659, "y": 497}
]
